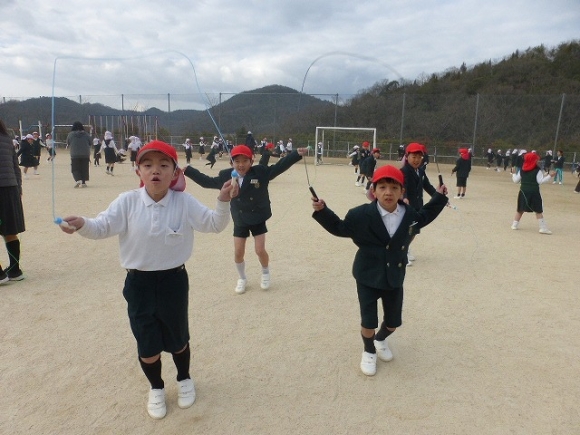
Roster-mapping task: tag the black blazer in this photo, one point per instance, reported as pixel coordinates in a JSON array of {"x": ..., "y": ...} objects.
[
  {"x": 381, "y": 260},
  {"x": 415, "y": 184},
  {"x": 252, "y": 205}
]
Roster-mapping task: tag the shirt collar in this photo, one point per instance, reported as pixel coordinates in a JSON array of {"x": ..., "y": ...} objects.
[
  {"x": 148, "y": 201},
  {"x": 384, "y": 212}
]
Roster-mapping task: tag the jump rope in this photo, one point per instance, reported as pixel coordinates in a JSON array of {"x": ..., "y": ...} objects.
[{"x": 59, "y": 221}]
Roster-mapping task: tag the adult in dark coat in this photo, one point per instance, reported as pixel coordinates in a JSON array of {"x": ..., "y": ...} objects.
[
  {"x": 251, "y": 142},
  {"x": 79, "y": 143},
  {"x": 11, "y": 210}
]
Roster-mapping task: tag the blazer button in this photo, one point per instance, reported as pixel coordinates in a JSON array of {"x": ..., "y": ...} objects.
[
  {"x": 400, "y": 265},
  {"x": 388, "y": 264},
  {"x": 388, "y": 246},
  {"x": 403, "y": 248}
]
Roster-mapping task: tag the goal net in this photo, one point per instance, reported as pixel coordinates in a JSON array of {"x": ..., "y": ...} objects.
[{"x": 337, "y": 142}]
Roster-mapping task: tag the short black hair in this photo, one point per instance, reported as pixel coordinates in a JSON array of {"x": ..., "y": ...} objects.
[{"x": 77, "y": 126}]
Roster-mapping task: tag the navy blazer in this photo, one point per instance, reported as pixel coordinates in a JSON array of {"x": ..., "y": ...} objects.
[
  {"x": 252, "y": 205},
  {"x": 415, "y": 184},
  {"x": 381, "y": 260}
]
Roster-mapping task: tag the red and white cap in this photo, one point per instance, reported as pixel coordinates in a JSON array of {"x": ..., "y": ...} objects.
[{"x": 178, "y": 183}]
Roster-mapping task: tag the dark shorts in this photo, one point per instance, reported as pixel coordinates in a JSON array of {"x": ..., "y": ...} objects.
[
  {"x": 157, "y": 304},
  {"x": 392, "y": 300},
  {"x": 133, "y": 157},
  {"x": 461, "y": 182},
  {"x": 245, "y": 230}
]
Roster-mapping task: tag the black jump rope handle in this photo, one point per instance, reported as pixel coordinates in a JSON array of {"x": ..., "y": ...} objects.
[
  {"x": 313, "y": 192},
  {"x": 440, "y": 180}
]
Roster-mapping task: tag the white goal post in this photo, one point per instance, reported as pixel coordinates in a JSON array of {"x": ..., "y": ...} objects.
[{"x": 324, "y": 150}]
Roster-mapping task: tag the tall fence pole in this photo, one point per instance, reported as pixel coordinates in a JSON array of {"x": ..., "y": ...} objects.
[
  {"x": 402, "y": 119},
  {"x": 475, "y": 123},
  {"x": 558, "y": 126}
]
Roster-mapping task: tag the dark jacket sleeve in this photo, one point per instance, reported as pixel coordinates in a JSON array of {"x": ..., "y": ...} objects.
[
  {"x": 207, "y": 181},
  {"x": 283, "y": 164},
  {"x": 427, "y": 186}
]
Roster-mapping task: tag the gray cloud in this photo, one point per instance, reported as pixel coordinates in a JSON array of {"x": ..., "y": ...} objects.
[{"x": 242, "y": 45}]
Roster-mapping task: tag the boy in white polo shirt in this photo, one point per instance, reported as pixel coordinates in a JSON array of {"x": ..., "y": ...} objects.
[{"x": 156, "y": 225}]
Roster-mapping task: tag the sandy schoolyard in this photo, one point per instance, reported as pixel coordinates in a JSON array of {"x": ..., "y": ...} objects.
[{"x": 489, "y": 342}]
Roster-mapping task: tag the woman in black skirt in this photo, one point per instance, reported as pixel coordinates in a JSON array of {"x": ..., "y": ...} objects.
[{"x": 11, "y": 211}]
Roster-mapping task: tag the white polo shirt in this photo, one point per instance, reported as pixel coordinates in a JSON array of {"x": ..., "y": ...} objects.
[{"x": 155, "y": 235}]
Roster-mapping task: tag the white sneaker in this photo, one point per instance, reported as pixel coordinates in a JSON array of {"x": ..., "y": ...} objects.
[
  {"x": 457, "y": 197},
  {"x": 545, "y": 231},
  {"x": 77, "y": 184},
  {"x": 368, "y": 363},
  {"x": 410, "y": 256},
  {"x": 514, "y": 227},
  {"x": 241, "y": 286},
  {"x": 185, "y": 393},
  {"x": 156, "y": 405},
  {"x": 357, "y": 184},
  {"x": 265, "y": 282},
  {"x": 383, "y": 351}
]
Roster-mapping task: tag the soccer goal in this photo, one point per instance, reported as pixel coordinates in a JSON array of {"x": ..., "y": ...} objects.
[{"x": 338, "y": 142}]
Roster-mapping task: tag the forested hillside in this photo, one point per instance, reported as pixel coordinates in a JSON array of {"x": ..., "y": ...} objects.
[{"x": 529, "y": 98}]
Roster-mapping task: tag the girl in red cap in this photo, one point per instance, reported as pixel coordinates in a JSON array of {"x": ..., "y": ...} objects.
[
  {"x": 462, "y": 168},
  {"x": 156, "y": 225},
  {"x": 529, "y": 199},
  {"x": 382, "y": 231}
]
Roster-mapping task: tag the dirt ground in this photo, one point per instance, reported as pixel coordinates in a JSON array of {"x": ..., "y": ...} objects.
[{"x": 489, "y": 344}]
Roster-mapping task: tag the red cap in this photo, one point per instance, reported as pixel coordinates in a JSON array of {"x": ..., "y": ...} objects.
[
  {"x": 366, "y": 144},
  {"x": 530, "y": 161},
  {"x": 269, "y": 146},
  {"x": 415, "y": 148},
  {"x": 391, "y": 172},
  {"x": 376, "y": 150},
  {"x": 179, "y": 183},
  {"x": 159, "y": 146},
  {"x": 242, "y": 150}
]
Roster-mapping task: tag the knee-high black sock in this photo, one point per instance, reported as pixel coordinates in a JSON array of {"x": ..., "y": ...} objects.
[
  {"x": 181, "y": 361},
  {"x": 369, "y": 344},
  {"x": 13, "y": 249},
  {"x": 383, "y": 333},
  {"x": 153, "y": 373}
]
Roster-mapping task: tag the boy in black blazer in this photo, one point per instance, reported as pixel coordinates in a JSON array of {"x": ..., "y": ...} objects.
[
  {"x": 382, "y": 231},
  {"x": 416, "y": 180},
  {"x": 251, "y": 208}
]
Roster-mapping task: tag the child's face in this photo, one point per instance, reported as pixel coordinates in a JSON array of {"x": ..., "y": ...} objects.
[
  {"x": 156, "y": 171},
  {"x": 242, "y": 164},
  {"x": 415, "y": 159},
  {"x": 377, "y": 155},
  {"x": 388, "y": 192}
]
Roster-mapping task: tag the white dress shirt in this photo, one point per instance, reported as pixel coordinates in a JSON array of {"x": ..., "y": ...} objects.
[
  {"x": 392, "y": 220},
  {"x": 155, "y": 235}
]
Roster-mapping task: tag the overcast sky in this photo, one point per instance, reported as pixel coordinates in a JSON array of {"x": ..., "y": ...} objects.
[{"x": 332, "y": 47}]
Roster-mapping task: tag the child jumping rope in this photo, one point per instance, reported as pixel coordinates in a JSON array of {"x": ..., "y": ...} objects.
[
  {"x": 382, "y": 231},
  {"x": 156, "y": 225},
  {"x": 251, "y": 209}
]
